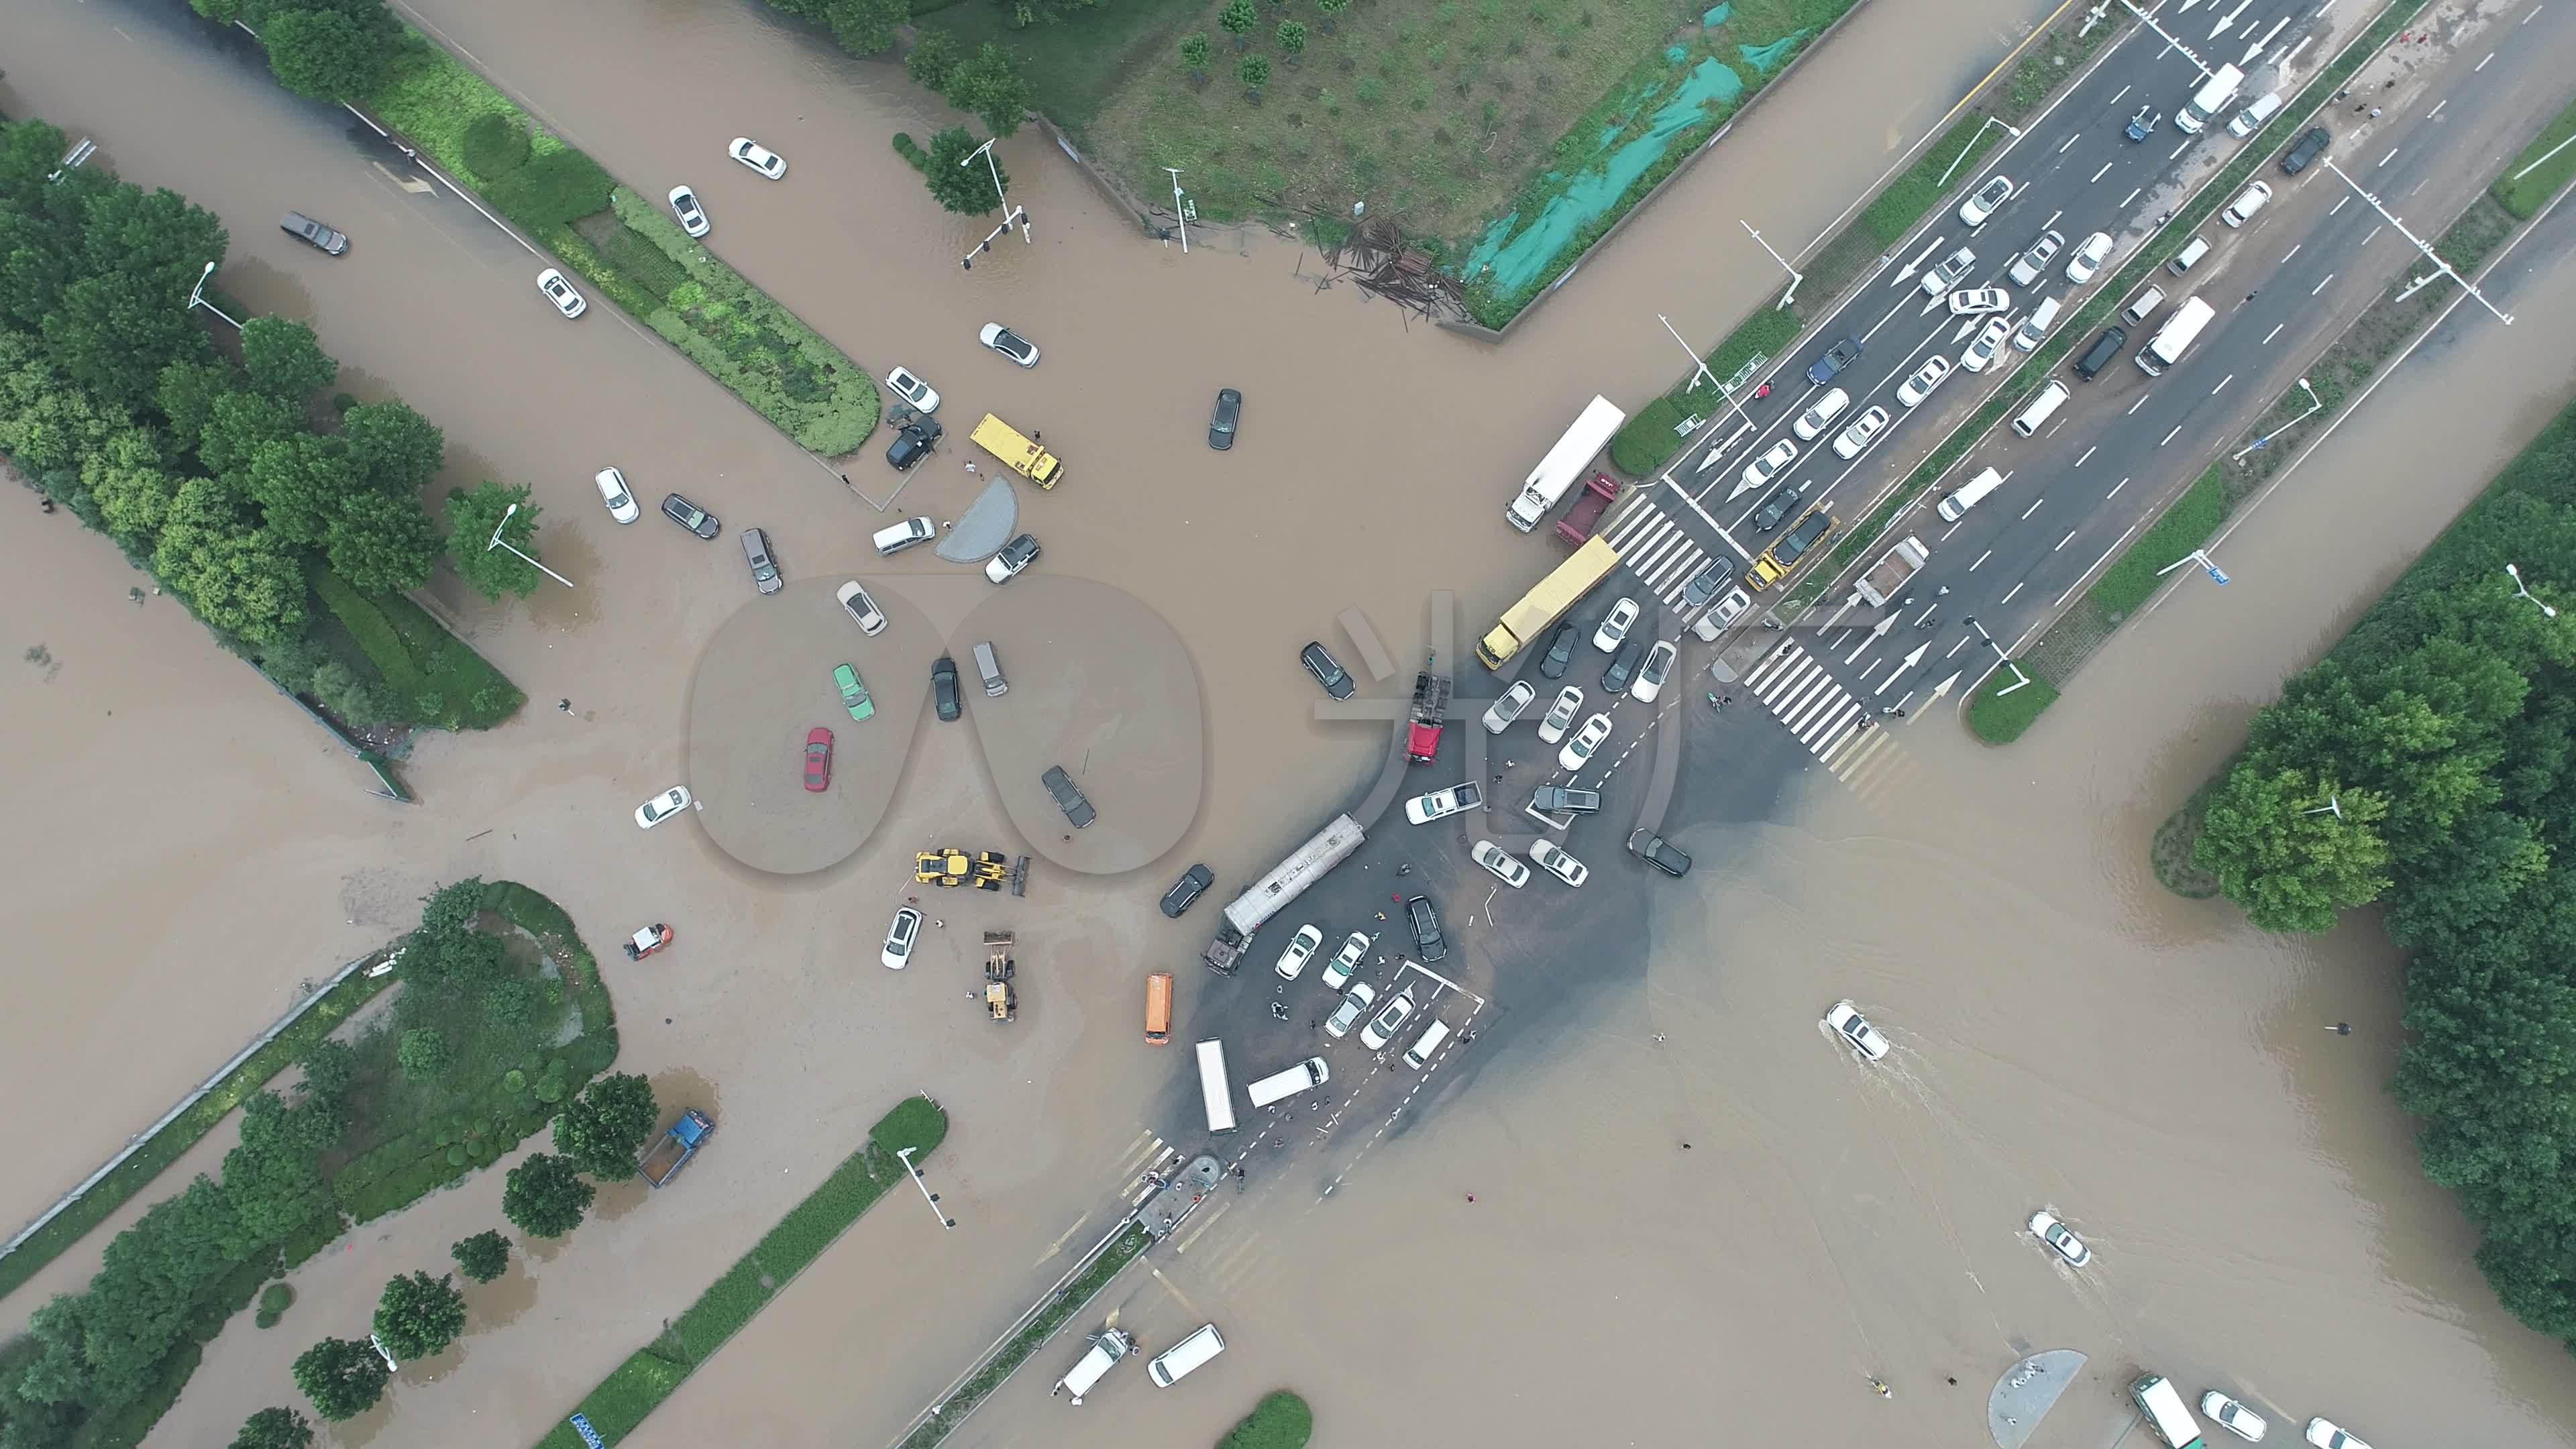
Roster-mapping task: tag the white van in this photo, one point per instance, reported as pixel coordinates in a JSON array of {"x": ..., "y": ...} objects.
[
  {"x": 2040, "y": 408},
  {"x": 1176, "y": 1363},
  {"x": 1968, "y": 496},
  {"x": 1107, "y": 1348},
  {"x": 898, "y": 537},
  {"x": 2189, "y": 257},
  {"x": 2142, "y": 304},
  {"x": 2165, "y": 1411},
  {"x": 989, "y": 665},
  {"x": 2247, "y": 202},
  {"x": 2034, "y": 328},
  {"x": 2209, "y": 100},
  {"x": 1279, "y": 1086},
  {"x": 1813, "y": 420},
  {"x": 2255, "y": 114},
  {"x": 1427, "y": 1043}
]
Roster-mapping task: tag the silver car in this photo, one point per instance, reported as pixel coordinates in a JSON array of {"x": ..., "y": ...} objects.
[{"x": 1357, "y": 1001}]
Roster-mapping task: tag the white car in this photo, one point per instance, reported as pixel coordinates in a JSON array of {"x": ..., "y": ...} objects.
[
  {"x": 899, "y": 938},
  {"x": 1614, "y": 628},
  {"x": 2325, "y": 1433},
  {"x": 2088, "y": 258},
  {"x": 1339, "y": 1023},
  {"x": 904, "y": 383},
  {"x": 1946, "y": 273},
  {"x": 2045, "y": 1227},
  {"x": 1346, "y": 961},
  {"x": 1846, "y": 1022},
  {"x": 1551, "y": 857},
  {"x": 1500, "y": 714},
  {"x": 561, "y": 293},
  {"x": 663, "y": 806},
  {"x": 1763, "y": 469},
  {"x": 757, "y": 156},
  {"x": 612, "y": 491},
  {"x": 863, "y": 611},
  {"x": 1423, "y": 809},
  {"x": 1009, "y": 343},
  {"x": 1585, "y": 741},
  {"x": 1981, "y": 352},
  {"x": 1389, "y": 1020},
  {"x": 693, "y": 217},
  {"x": 1856, "y": 437},
  {"x": 1979, "y": 301},
  {"x": 1508, "y": 868},
  {"x": 1016, "y": 555},
  {"x": 2233, "y": 1417},
  {"x": 1652, "y": 674},
  {"x": 1813, "y": 421},
  {"x": 1982, "y": 202},
  {"x": 2026, "y": 268},
  {"x": 1560, "y": 715},
  {"x": 1301, "y": 948},
  {"x": 1927, "y": 377}
]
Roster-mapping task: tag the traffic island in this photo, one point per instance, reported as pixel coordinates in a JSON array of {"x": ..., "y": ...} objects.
[
  {"x": 2026, "y": 1392},
  {"x": 1280, "y": 1421},
  {"x": 1041, "y": 1323}
]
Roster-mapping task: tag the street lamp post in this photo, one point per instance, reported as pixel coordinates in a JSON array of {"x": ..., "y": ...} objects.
[
  {"x": 1180, "y": 213},
  {"x": 499, "y": 542},
  {"x": 936, "y": 1211},
  {"x": 197, "y": 297},
  {"x": 2314, "y": 402},
  {"x": 2333, "y": 806},
  {"x": 1972, "y": 145},
  {"x": 2420, "y": 244},
  {"x": 1700, "y": 372},
  {"x": 1795, "y": 277},
  {"x": 1010, "y": 213},
  {"x": 2522, "y": 593}
]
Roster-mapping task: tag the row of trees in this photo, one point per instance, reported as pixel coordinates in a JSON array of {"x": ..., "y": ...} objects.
[
  {"x": 2429, "y": 762},
  {"x": 328, "y": 49}
]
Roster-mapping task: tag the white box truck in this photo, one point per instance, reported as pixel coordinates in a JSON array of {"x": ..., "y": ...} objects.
[
  {"x": 1564, "y": 463},
  {"x": 2166, "y": 348},
  {"x": 2209, "y": 100}
]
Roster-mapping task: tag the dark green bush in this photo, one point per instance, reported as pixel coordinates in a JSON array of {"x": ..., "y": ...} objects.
[
  {"x": 553, "y": 190},
  {"x": 495, "y": 146}
]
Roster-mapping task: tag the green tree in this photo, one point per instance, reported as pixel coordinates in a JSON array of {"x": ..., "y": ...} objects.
[
  {"x": 284, "y": 359},
  {"x": 960, "y": 187},
  {"x": 125, "y": 317},
  {"x": 239, "y": 424},
  {"x": 867, "y": 27},
  {"x": 330, "y": 1068},
  {"x": 233, "y": 574},
  {"x": 186, "y": 393},
  {"x": 344, "y": 1377},
  {"x": 1237, "y": 19},
  {"x": 602, "y": 1129},
  {"x": 471, "y": 518},
  {"x": 990, "y": 85},
  {"x": 344, "y": 695},
  {"x": 1255, "y": 71},
  {"x": 328, "y": 55},
  {"x": 395, "y": 449},
  {"x": 132, "y": 491},
  {"x": 545, "y": 1196},
  {"x": 222, "y": 12},
  {"x": 274, "y": 1174},
  {"x": 1332, "y": 10},
  {"x": 2291, "y": 870},
  {"x": 381, "y": 544},
  {"x": 484, "y": 1256},
  {"x": 933, "y": 56},
  {"x": 275, "y": 1429},
  {"x": 423, "y": 1054},
  {"x": 419, "y": 1316},
  {"x": 1292, "y": 41},
  {"x": 512, "y": 1003},
  {"x": 300, "y": 483},
  {"x": 1194, "y": 54}
]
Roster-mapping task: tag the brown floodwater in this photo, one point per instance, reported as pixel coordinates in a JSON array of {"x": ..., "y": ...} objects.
[{"x": 2067, "y": 1034}]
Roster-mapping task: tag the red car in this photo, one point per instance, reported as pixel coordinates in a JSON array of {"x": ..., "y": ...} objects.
[{"x": 818, "y": 758}]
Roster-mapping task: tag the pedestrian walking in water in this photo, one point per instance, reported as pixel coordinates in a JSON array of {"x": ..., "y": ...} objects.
[
  {"x": 970, "y": 465},
  {"x": 2374, "y": 113},
  {"x": 2250, "y": 296},
  {"x": 565, "y": 705}
]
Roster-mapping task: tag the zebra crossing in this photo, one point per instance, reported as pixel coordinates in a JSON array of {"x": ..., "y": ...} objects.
[
  {"x": 1826, "y": 718},
  {"x": 1656, "y": 548}
]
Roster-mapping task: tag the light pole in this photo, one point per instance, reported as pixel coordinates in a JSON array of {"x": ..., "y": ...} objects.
[
  {"x": 2333, "y": 806},
  {"x": 2522, "y": 593},
  {"x": 1700, "y": 372},
  {"x": 1795, "y": 278},
  {"x": 2019, "y": 679},
  {"x": 1180, "y": 212},
  {"x": 1010, "y": 213},
  {"x": 1972, "y": 145},
  {"x": 2201, "y": 557},
  {"x": 499, "y": 542},
  {"x": 2420, "y": 244},
  {"x": 2314, "y": 402},
  {"x": 197, "y": 297},
  {"x": 945, "y": 1220}
]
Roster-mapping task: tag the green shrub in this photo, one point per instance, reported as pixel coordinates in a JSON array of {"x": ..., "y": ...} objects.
[
  {"x": 1280, "y": 1421},
  {"x": 494, "y": 145},
  {"x": 553, "y": 189},
  {"x": 2186, "y": 526},
  {"x": 1999, "y": 718},
  {"x": 273, "y": 1301}
]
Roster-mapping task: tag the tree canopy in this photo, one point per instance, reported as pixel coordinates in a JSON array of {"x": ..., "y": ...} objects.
[
  {"x": 964, "y": 188},
  {"x": 604, "y": 1127},
  {"x": 482, "y": 1257},
  {"x": 545, "y": 1196},
  {"x": 344, "y": 1377},
  {"x": 419, "y": 1316}
]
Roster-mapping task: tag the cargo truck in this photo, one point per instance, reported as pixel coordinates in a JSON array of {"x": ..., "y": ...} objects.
[
  {"x": 677, "y": 1146},
  {"x": 1892, "y": 571},
  {"x": 1598, "y": 495},
  {"x": 1555, "y": 473},
  {"x": 1272, "y": 893}
]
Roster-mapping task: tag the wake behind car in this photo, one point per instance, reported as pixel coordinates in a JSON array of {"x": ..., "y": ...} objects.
[
  {"x": 1009, "y": 343},
  {"x": 2045, "y": 1227},
  {"x": 1846, "y": 1022},
  {"x": 561, "y": 293},
  {"x": 1428, "y": 943},
  {"x": 1328, "y": 671},
  {"x": 326, "y": 240},
  {"x": 1186, "y": 891},
  {"x": 1069, "y": 797},
  {"x": 689, "y": 515},
  {"x": 758, "y": 157},
  {"x": 693, "y": 217}
]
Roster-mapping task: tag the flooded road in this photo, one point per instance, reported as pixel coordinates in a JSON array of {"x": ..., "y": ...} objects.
[{"x": 1825, "y": 1224}]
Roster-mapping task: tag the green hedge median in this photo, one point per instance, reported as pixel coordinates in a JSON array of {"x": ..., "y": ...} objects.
[
  {"x": 1130, "y": 1242},
  {"x": 1279, "y": 1421},
  {"x": 2529, "y": 182},
  {"x": 1999, "y": 718}
]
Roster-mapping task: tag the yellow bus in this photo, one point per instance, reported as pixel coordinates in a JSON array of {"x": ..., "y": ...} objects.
[
  {"x": 1019, "y": 454},
  {"x": 1547, "y": 603}
]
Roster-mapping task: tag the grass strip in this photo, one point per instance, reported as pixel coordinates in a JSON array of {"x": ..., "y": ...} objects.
[
  {"x": 1280, "y": 1421},
  {"x": 436, "y": 675},
  {"x": 2529, "y": 182},
  {"x": 1999, "y": 718},
  {"x": 635, "y": 1388},
  {"x": 2186, "y": 526},
  {"x": 1121, "y": 1251}
]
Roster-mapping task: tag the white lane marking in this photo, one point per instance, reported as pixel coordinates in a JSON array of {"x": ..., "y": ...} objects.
[
  {"x": 2374, "y": 235},
  {"x": 2534, "y": 15},
  {"x": 1981, "y": 559},
  {"x": 2115, "y": 490},
  {"x": 2321, "y": 286},
  {"x": 2132, "y": 196},
  {"x": 2169, "y": 437},
  {"x": 2338, "y": 206},
  {"x": 2276, "y": 329},
  {"x": 2482, "y": 65},
  {"x": 2008, "y": 594},
  {"x": 2089, "y": 452},
  {"x": 2096, "y": 176},
  {"x": 2222, "y": 384},
  {"x": 2285, "y": 257},
  {"x": 2391, "y": 156},
  {"x": 2033, "y": 508},
  {"x": 2141, "y": 402},
  {"x": 2122, "y": 91},
  {"x": 2069, "y": 141},
  {"x": 2436, "y": 112},
  {"x": 2063, "y": 542}
]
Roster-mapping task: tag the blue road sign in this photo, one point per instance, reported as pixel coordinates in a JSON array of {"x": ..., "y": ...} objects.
[
  {"x": 2216, "y": 574},
  {"x": 589, "y": 1435}
]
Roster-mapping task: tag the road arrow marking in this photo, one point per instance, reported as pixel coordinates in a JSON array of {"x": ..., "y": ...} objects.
[
  {"x": 1909, "y": 662},
  {"x": 2227, "y": 22},
  {"x": 1942, "y": 688}
]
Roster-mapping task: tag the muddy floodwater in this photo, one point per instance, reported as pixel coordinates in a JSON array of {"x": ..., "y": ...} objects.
[{"x": 2066, "y": 1034}]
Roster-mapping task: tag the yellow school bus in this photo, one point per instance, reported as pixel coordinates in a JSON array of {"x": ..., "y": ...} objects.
[{"x": 1019, "y": 454}]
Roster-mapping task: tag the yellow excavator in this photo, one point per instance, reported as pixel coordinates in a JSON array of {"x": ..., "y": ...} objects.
[{"x": 950, "y": 867}]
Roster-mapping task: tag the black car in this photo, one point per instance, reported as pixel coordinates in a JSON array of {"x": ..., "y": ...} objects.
[
  {"x": 689, "y": 516},
  {"x": 1623, "y": 666},
  {"x": 315, "y": 234},
  {"x": 1328, "y": 671},
  {"x": 1706, "y": 584},
  {"x": 1428, "y": 943},
  {"x": 943, "y": 686},
  {"x": 1660, "y": 853},
  {"x": 1837, "y": 357},
  {"x": 1069, "y": 798},
  {"x": 1229, "y": 411},
  {"x": 1778, "y": 507},
  {"x": 1185, "y": 893},
  {"x": 2304, "y": 150},
  {"x": 913, "y": 442},
  {"x": 1560, "y": 651}
]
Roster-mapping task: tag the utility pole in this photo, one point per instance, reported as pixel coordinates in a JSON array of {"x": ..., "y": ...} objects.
[{"x": 1180, "y": 209}]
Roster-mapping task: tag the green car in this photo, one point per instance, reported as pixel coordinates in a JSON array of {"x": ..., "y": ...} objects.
[{"x": 854, "y": 695}]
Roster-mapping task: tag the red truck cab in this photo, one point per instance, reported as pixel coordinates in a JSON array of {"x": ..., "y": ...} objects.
[{"x": 1598, "y": 494}]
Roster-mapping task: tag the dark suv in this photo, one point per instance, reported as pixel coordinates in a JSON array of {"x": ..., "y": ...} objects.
[
  {"x": 943, "y": 687},
  {"x": 1328, "y": 671},
  {"x": 913, "y": 442},
  {"x": 1623, "y": 666},
  {"x": 1428, "y": 943},
  {"x": 1185, "y": 893},
  {"x": 1660, "y": 853},
  {"x": 1069, "y": 797},
  {"x": 2304, "y": 150},
  {"x": 1560, "y": 651},
  {"x": 1837, "y": 357}
]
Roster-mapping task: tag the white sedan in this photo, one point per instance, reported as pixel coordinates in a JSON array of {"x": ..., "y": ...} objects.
[
  {"x": 1560, "y": 715},
  {"x": 1979, "y": 301},
  {"x": 1552, "y": 858},
  {"x": 1982, "y": 203},
  {"x": 758, "y": 157},
  {"x": 1346, "y": 961},
  {"x": 1845, "y": 1021},
  {"x": 663, "y": 806},
  {"x": 1585, "y": 741},
  {"x": 1763, "y": 469},
  {"x": 899, "y": 938},
  {"x": 2233, "y": 1417},
  {"x": 1510, "y": 869},
  {"x": 1339, "y": 1023},
  {"x": 2046, "y": 1227},
  {"x": 1389, "y": 1020},
  {"x": 1614, "y": 628},
  {"x": 904, "y": 383},
  {"x": 1652, "y": 674},
  {"x": 863, "y": 611},
  {"x": 1301, "y": 948},
  {"x": 612, "y": 491},
  {"x": 1981, "y": 353},
  {"x": 561, "y": 293},
  {"x": 1423, "y": 809},
  {"x": 1500, "y": 714},
  {"x": 1848, "y": 444},
  {"x": 1927, "y": 377},
  {"x": 693, "y": 217},
  {"x": 2326, "y": 1434},
  {"x": 2088, "y": 258}
]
